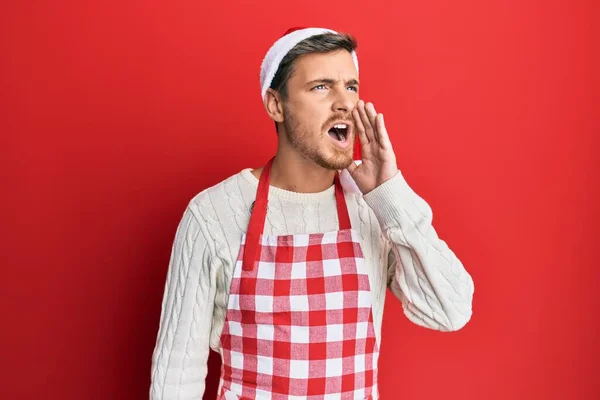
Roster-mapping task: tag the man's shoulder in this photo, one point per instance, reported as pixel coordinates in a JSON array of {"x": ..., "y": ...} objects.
[{"x": 226, "y": 198}]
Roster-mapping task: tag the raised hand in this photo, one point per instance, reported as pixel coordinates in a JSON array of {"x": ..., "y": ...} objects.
[{"x": 378, "y": 158}]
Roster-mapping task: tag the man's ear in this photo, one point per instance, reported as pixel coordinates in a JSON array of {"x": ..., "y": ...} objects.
[{"x": 274, "y": 105}]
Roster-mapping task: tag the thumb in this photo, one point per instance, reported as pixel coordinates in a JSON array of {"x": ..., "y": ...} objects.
[{"x": 351, "y": 168}]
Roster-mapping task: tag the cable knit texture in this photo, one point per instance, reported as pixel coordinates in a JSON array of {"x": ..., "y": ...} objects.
[{"x": 401, "y": 248}]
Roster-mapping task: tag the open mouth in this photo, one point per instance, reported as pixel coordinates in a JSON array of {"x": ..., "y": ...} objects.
[{"x": 339, "y": 132}]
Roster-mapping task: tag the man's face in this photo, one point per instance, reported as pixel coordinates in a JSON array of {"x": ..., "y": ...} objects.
[{"x": 322, "y": 92}]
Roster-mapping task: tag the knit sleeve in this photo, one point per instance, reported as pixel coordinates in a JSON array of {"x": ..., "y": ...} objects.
[
  {"x": 435, "y": 289},
  {"x": 179, "y": 361}
]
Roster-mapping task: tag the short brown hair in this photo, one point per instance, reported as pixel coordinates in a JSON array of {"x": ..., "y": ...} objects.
[{"x": 323, "y": 43}]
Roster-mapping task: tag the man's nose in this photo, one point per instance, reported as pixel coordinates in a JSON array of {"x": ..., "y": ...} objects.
[{"x": 344, "y": 101}]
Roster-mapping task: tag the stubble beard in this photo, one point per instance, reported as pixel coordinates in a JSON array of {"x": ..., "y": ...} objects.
[{"x": 299, "y": 137}]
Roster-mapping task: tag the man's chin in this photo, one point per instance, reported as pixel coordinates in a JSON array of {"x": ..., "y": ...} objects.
[
  {"x": 336, "y": 162},
  {"x": 345, "y": 164}
]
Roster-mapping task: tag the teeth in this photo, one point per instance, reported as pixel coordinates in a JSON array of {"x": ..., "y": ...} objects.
[{"x": 340, "y": 126}]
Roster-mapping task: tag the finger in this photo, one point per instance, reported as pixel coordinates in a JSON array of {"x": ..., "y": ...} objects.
[
  {"x": 384, "y": 138},
  {"x": 366, "y": 122},
  {"x": 360, "y": 128},
  {"x": 372, "y": 115}
]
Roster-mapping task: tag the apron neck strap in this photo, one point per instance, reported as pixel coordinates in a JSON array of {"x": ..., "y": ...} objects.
[
  {"x": 259, "y": 214},
  {"x": 342, "y": 207}
]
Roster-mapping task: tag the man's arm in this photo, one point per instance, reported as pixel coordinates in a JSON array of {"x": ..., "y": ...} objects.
[
  {"x": 423, "y": 272},
  {"x": 435, "y": 289},
  {"x": 179, "y": 362}
]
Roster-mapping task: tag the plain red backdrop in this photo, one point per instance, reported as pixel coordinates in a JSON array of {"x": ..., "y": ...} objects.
[{"x": 114, "y": 114}]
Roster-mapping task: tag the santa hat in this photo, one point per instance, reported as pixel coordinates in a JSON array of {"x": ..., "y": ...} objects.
[{"x": 281, "y": 47}]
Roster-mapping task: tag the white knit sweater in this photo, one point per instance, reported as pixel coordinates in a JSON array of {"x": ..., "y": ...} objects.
[{"x": 400, "y": 246}]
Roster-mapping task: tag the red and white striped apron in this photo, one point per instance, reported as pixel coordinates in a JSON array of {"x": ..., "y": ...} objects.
[{"x": 299, "y": 323}]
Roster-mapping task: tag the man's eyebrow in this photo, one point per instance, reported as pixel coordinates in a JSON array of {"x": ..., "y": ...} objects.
[{"x": 330, "y": 81}]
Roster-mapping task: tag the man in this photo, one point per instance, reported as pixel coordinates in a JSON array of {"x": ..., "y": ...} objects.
[{"x": 291, "y": 295}]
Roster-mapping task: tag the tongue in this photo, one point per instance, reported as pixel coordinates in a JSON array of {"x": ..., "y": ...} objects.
[{"x": 334, "y": 134}]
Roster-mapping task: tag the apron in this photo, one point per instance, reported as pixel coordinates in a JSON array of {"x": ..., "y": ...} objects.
[{"x": 299, "y": 323}]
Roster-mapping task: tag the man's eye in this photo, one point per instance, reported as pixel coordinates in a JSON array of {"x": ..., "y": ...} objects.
[
  {"x": 355, "y": 88},
  {"x": 319, "y": 86}
]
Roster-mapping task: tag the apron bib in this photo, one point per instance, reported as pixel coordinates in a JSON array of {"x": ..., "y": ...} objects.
[{"x": 299, "y": 323}]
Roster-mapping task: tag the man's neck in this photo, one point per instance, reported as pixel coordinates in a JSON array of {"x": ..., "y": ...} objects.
[{"x": 290, "y": 171}]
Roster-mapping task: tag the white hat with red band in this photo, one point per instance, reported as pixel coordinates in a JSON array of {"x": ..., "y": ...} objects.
[{"x": 281, "y": 47}]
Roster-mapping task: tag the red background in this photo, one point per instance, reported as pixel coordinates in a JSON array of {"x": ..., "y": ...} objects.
[{"x": 115, "y": 114}]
